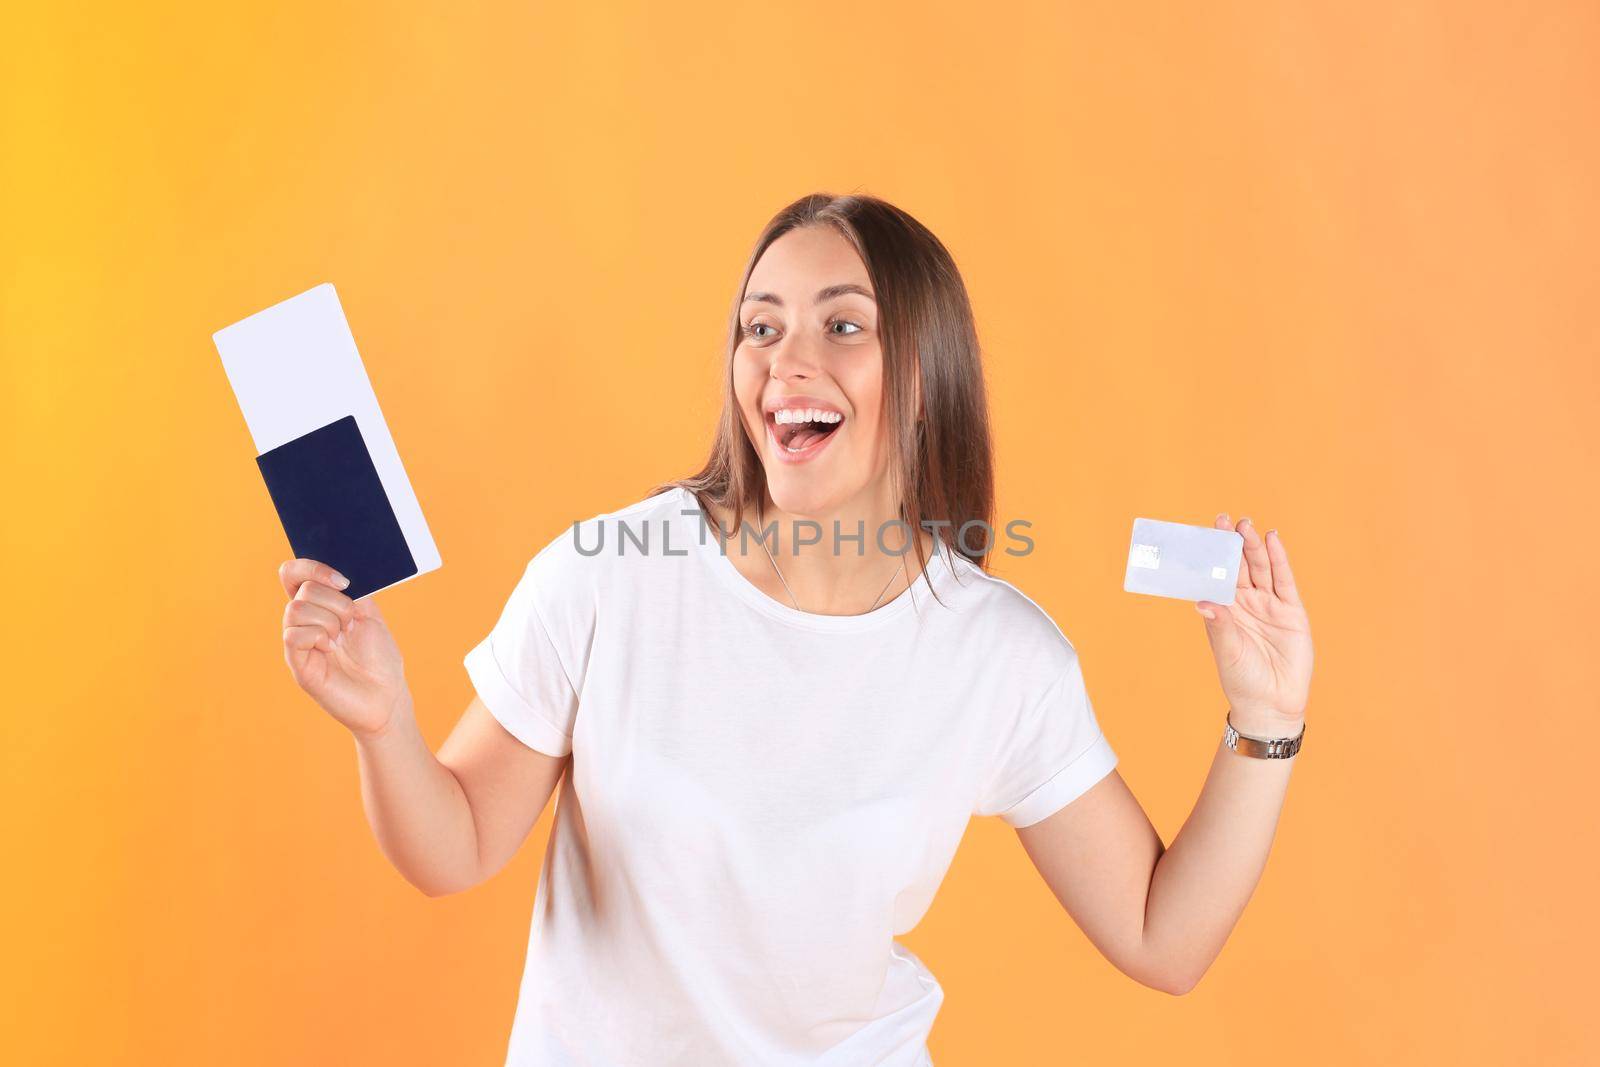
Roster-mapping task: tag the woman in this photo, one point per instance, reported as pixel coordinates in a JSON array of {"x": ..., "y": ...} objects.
[{"x": 774, "y": 743}]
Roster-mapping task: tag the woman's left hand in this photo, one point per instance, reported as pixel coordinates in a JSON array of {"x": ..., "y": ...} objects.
[{"x": 1262, "y": 641}]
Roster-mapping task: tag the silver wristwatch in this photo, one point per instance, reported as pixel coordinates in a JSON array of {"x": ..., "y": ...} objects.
[{"x": 1263, "y": 747}]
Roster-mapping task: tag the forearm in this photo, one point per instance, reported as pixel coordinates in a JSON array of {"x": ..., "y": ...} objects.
[
  {"x": 417, "y": 809},
  {"x": 1201, "y": 883}
]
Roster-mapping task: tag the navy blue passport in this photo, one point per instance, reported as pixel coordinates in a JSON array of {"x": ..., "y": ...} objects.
[{"x": 334, "y": 509}]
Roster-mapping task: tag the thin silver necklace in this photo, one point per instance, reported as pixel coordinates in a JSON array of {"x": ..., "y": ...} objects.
[{"x": 761, "y": 538}]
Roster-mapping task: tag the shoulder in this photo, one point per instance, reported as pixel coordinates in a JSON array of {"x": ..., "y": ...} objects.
[
  {"x": 581, "y": 536},
  {"x": 581, "y": 556},
  {"x": 998, "y": 615}
]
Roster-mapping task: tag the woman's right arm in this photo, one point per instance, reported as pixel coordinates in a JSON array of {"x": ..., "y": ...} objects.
[{"x": 446, "y": 822}]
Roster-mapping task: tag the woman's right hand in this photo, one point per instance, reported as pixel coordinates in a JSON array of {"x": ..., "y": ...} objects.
[{"x": 340, "y": 650}]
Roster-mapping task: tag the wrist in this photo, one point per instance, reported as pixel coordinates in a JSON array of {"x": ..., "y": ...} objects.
[
  {"x": 1265, "y": 724},
  {"x": 401, "y": 715}
]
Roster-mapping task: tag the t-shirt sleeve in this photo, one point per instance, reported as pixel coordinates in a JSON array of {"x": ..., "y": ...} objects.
[
  {"x": 528, "y": 669},
  {"x": 1049, "y": 755}
]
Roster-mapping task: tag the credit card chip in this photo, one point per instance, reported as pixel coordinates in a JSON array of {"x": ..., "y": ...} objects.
[{"x": 1147, "y": 556}]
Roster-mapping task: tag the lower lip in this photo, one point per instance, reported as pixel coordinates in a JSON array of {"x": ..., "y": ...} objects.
[{"x": 805, "y": 455}]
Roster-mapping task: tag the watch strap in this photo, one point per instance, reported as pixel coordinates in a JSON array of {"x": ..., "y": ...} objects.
[{"x": 1263, "y": 747}]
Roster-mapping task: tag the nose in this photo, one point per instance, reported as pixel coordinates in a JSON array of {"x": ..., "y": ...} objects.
[{"x": 792, "y": 362}]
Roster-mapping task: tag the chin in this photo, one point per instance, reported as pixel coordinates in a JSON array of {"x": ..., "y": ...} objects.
[{"x": 805, "y": 493}]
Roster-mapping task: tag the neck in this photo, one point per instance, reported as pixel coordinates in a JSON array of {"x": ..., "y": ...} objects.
[
  {"x": 821, "y": 578},
  {"x": 843, "y": 561}
]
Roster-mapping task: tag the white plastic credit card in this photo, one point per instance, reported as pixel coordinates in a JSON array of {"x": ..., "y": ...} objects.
[{"x": 1185, "y": 562}]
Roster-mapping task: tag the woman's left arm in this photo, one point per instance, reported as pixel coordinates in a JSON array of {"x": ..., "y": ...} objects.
[{"x": 1161, "y": 915}]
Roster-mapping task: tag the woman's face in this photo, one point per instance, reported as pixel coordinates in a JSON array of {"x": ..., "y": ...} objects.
[{"x": 808, "y": 374}]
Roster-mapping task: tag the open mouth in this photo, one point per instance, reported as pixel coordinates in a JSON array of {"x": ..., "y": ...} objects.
[{"x": 800, "y": 431}]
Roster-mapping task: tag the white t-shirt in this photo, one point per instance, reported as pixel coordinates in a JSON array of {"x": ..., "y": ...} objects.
[{"x": 760, "y": 798}]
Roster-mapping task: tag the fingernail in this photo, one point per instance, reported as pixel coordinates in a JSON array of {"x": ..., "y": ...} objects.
[
  {"x": 1207, "y": 612},
  {"x": 1222, "y": 516},
  {"x": 1244, "y": 520},
  {"x": 339, "y": 580}
]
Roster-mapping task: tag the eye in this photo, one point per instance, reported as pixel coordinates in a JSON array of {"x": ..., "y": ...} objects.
[
  {"x": 751, "y": 328},
  {"x": 854, "y": 328}
]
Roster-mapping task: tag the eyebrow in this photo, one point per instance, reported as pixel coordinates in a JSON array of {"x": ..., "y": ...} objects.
[{"x": 822, "y": 294}]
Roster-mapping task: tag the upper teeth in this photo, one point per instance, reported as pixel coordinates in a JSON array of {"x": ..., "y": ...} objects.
[{"x": 789, "y": 415}]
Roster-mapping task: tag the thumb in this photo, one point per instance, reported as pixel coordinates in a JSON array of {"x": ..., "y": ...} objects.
[{"x": 1220, "y": 624}]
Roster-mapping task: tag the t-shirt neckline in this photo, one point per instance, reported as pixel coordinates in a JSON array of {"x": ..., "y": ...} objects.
[{"x": 707, "y": 547}]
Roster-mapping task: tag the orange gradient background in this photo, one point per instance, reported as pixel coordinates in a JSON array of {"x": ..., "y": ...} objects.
[{"x": 1330, "y": 266}]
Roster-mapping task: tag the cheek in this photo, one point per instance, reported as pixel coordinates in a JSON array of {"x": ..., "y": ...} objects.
[
  {"x": 863, "y": 384},
  {"x": 749, "y": 377},
  {"x": 749, "y": 371}
]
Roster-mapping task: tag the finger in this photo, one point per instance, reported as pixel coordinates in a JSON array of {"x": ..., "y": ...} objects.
[
  {"x": 306, "y": 638},
  {"x": 367, "y": 608},
  {"x": 320, "y": 595},
  {"x": 1221, "y": 628},
  {"x": 1282, "y": 576},
  {"x": 1255, "y": 554},
  {"x": 1243, "y": 578},
  {"x": 295, "y": 572},
  {"x": 305, "y": 613}
]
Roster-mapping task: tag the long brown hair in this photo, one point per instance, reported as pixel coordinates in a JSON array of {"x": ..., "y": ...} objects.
[{"x": 941, "y": 459}]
